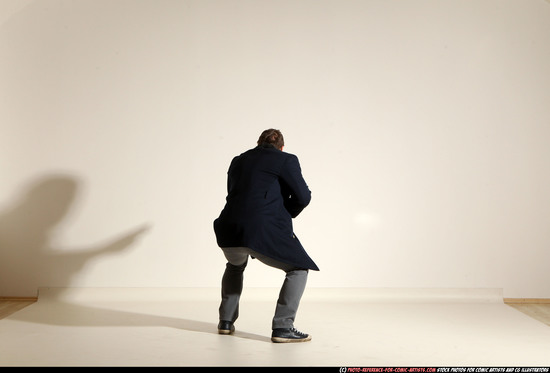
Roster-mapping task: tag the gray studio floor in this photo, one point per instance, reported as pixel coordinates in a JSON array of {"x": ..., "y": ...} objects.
[{"x": 350, "y": 327}]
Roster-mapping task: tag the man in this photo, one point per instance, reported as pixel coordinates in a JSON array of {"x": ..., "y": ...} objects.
[{"x": 265, "y": 191}]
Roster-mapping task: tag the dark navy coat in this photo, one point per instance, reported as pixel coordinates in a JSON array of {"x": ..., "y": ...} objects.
[{"x": 265, "y": 191}]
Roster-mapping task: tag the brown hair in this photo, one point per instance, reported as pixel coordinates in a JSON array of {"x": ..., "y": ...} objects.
[{"x": 273, "y": 137}]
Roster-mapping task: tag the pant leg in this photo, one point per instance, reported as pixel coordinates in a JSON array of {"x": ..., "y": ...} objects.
[
  {"x": 289, "y": 299},
  {"x": 232, "y": 282},
  {"x": 291, "y": 292}
]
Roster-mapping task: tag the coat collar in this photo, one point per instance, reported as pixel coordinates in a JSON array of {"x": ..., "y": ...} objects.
[{"x": 266, "y": 145}]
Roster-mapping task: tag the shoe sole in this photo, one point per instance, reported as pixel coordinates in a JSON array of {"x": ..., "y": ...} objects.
[
  {"x": 290, "y": 340},
  {"x": 225, "y": 331}
]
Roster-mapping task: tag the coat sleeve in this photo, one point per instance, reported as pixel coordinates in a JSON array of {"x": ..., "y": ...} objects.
[
  {"x": 231, "y": 166},
  {"x": 296, "y": 194}
]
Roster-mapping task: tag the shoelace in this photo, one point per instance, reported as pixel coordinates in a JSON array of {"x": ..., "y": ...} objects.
[{"x": 299, "y": 332}]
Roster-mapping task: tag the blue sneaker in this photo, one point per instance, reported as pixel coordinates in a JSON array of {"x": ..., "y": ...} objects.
[
  {"x": 289, "y": 335},
  {"x": 226, "y": 327}
]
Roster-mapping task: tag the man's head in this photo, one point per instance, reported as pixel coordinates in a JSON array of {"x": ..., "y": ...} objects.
[{"x": 273, "y": 137}]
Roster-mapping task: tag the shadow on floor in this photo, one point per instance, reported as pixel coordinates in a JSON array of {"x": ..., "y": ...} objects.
[{"x": 62, "y": 313}]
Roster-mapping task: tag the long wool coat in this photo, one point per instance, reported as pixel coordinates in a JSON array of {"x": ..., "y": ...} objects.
[{"x": 265, "y": 191}]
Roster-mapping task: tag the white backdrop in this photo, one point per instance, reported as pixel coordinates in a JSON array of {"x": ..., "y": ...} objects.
[{"x": 422, "y": 127}]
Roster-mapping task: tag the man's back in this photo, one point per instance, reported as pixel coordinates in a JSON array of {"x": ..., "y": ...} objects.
[
  {"x": 253, "y": 182},
  {"x": 265, "y": 191}
]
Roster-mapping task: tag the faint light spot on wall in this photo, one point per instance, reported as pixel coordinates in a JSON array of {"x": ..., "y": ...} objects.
[{"x": 367, "y": 220}]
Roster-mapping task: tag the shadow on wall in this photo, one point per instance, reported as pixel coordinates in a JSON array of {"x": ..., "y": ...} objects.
[
  {"x": 28, "y": 261},
  {"x": 27, "y": 258}
]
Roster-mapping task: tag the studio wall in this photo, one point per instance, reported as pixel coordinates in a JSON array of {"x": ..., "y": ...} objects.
[{"x": 422, "y": 128}]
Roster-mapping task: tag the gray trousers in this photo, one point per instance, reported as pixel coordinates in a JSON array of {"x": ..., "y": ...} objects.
[{"x": 232, "y": 285}]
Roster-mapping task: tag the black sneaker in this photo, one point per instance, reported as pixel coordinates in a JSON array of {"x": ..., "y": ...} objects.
[
  {"x": 289, "y": 335},
  {"x": 226, "y": 327}
]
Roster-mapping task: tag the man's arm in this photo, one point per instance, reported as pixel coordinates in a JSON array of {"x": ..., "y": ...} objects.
[{"x": 296, "y": 193}]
